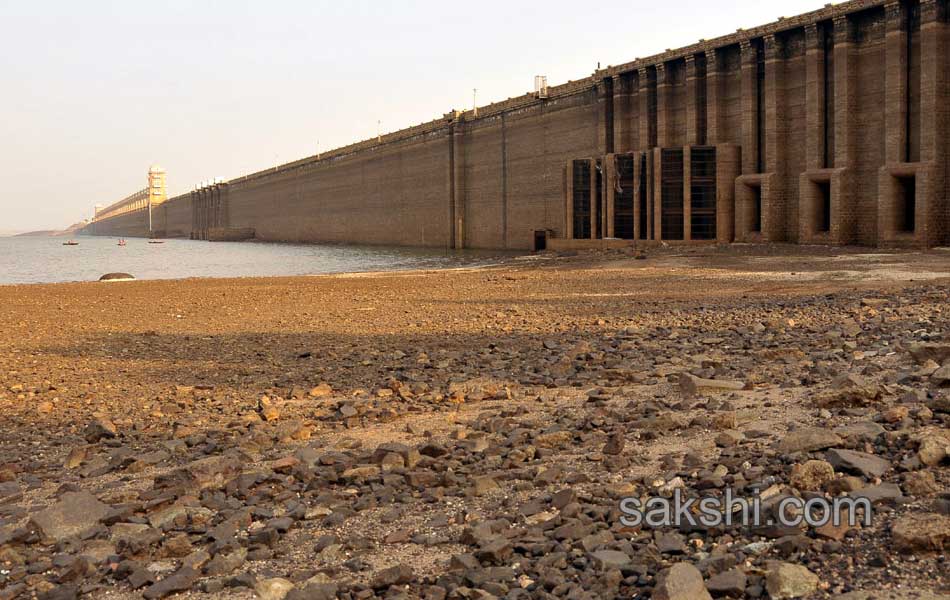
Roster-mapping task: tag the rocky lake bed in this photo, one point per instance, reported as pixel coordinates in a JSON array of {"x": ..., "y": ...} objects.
[{"x": 473, "y": 433}]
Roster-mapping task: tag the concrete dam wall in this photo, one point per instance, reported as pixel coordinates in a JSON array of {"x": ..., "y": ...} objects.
[{"x": 829, "y": 127}]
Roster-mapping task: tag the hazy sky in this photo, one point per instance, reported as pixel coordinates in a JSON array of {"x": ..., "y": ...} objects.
[{"x": 92, "y": 92}]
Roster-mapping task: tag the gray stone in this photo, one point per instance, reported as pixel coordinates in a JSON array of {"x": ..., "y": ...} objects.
[
  {"x": 682, "y": 581},
  {"x": 73, "y": 515},
  {"x": 670, "y": 543},
  {"x": 179, "y": 581},
  {"x": 862, "y": 430},
  {"x": 787, "y": 580},
  {"x": 879, "y": 494},
  {"x": 610, "y": 559},
  {"x": 861, "y": 463},
  {"x": 275, "y": 588},
  {"x": 99, "y": 429},
  {"x": 398, "y": 575},
  {"x": 808, "y": 439},
  {"x": 691, "y": 385},
  {"x": 615, "y": 444},
  {"x": 893, "y": 595},
  {"x": 941, "y": 376},
  {"x": 314, "y": 591},
  {"x": 225, "y": 564},
  {"x": 922, "y": 352},
  {"x": 732, "y": 583},
  {"x": 922, "y": 532}
]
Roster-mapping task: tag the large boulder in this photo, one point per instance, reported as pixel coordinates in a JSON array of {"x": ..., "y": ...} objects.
[{"x": 75, "y": 514}]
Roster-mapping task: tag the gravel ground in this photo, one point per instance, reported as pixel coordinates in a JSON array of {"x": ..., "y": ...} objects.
[{"x": 471, "y": 433}]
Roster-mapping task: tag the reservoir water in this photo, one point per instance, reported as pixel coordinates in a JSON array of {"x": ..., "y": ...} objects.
[{"x": 46, "y": 260}]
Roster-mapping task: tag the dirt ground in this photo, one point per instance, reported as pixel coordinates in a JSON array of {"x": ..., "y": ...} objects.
[{"x": 455, "y": 433}]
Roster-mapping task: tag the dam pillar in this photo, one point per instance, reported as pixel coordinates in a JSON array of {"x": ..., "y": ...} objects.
[
  {"x": 606, "y": 115},
  {"x": 934, "y": 123},
  {"x": 647, "y": 128},
  {"x": 748, "y": 95},
  {"x": 750, "y": 188},
  {"x": 695, "y": 104},
  {"x": 816, "y": 203},
  {"x": 912, "y": 185},
  {"x": 460, "y": 195},
  {"x": 774, "y": 207},
  {"x": 663, "y": 92},
  {"x": 712, "y": 84}
]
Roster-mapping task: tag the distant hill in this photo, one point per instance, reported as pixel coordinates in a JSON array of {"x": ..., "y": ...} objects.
[{"x": 71, "y": 230}]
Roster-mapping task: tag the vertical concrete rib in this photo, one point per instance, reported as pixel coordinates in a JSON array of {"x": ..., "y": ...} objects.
[
  {"x": 932, "y": 193},
  {"x": 692, "y": 102},
  {"x": 712, "y": 97},
  {"x": 814, "y": 98},
  {"x": 774, "y": 207},
  {"x": 895, "y": 84},
  {"x": 458, "y": 140},
  {"x": 606, "y": 116},
  {"x": 646, "y": 141},
  {"x": 663, "y": 93},
  {"x": 504, "y": 180},
  {"x": 749, "y": 107},
  {"x": 450, "y": 184},
  {"x": 845, "y": 139}
]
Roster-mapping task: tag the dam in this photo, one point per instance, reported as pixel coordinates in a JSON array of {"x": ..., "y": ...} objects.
[{"x": 830, "y": 127}]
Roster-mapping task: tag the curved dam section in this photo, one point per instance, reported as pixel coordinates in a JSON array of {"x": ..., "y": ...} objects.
[{"x": 830, "y": 127}]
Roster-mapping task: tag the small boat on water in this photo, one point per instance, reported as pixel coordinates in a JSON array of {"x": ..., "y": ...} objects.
[
  {"x": 122, "y": 242},
  {"x": 70, "y": 243},
  {"x": 156, "y": 241}
]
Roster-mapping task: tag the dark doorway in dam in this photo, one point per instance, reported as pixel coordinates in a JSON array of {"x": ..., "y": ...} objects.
[
  {"x": 581, "y": 199},
  {"x": 824, "y": 206},
  {"x": 756, "y": 209},
  {"x": 907, "y": 204},
  {"x": 642, "y": 192},
  {"x": 702, "y": 193},
  {"x": 599, "y": 200},
  {"x": 623, "y": 198},
  {"x": 671, "y": 194},
  {"x": 540, "y": 240}
]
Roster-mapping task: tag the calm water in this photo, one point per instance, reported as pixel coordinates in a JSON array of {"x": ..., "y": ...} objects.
[{"x": 46, "y": 260}]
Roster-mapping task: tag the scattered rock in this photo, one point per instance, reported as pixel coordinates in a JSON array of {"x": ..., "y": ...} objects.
[
  {"x": 808, "y": 439},
  {"x": 786, "y": 580},
  {"x": 99, "y": 429},
  {"x": 811, "y": 475},
  {"x": 75, "y": 514},
  {"x": 682, "y": 581},
  {"x": 860, "y": 463},
  {"x": 922, "y": 532},
  {"x": 273, "y": 589},
  {"x": 731, "y": 583},
  {"x": 398, "y": 575},
  {"x": 615, "y": 444},
  {"x": 179, "y": 581},
  {"x": 691, "y": 385}
]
